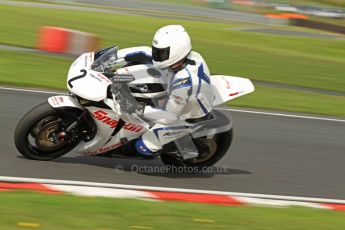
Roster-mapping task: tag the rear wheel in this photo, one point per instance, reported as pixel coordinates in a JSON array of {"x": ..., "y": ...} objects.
[
  {"x": 210, "y": 150},
  {"x": 39, "y": 134}
]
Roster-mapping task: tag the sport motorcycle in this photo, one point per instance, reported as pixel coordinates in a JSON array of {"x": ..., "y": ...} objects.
[{"x": 98, "y": 115}]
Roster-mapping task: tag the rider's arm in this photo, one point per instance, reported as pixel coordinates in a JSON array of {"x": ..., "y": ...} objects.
[
  {"x": 180, "y": 92},
  {"x": 141, "y": 54}
]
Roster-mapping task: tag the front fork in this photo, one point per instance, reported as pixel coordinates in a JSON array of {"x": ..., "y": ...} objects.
[
  {"x": 82, "y": 127},
  {"x": 70, "y": 107}
]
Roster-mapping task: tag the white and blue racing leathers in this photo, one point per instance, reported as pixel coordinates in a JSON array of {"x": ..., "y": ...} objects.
[{"x": 190, "y": 96}]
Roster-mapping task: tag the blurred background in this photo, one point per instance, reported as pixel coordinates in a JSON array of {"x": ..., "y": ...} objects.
[{"x": 293, "y": 51}]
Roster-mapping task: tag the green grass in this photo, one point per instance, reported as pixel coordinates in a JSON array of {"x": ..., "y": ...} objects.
[
  {"x": 292, "y": 100},
  {"x": 70, "y": 212},
  {"x": 309, "y": 62},
  {"x": 340, "y": 3},
  {"x": 49, "y": 71},
  {"x": 179, "y": 2},
  {"x": 33, "y": 70}
]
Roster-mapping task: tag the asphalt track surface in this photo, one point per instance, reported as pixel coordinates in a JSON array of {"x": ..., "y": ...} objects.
[{"x": 270, "y": 154}]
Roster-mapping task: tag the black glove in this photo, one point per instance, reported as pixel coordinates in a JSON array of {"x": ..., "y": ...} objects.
[{"x": 139, "y": 110}]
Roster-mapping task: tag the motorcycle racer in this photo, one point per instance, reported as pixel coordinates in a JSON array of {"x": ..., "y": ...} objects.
[
  {"x": 190, "y": 96},
  {"x": 119, "y": 100}
]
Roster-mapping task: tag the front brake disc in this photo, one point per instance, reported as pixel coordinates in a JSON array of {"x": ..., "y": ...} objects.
[
  {"x": 46, "y": 138},
  {"x": 36, "y": 128}
]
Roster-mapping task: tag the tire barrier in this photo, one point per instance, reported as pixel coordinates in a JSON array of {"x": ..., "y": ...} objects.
[{"x": 66, "y": 41}]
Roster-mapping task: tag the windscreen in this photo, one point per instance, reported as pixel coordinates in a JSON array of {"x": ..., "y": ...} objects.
[{"x": 105, "y": 63}]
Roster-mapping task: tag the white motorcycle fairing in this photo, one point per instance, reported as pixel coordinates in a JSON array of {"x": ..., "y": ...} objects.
[
  {"x": 87, "y": 83},
  {"x": 64, "y": 101},
  {"x": 93, "y": 86},
  {"x": 226, "y": 88},
  {"x": 106, "y": 121}
]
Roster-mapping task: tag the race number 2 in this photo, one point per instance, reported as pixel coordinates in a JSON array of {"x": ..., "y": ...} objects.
[{"x": 83, "y": 74}]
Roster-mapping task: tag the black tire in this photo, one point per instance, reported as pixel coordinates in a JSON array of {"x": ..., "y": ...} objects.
[
  {"x": 223, "y": 141},
  {"x": 25, "y": 128}
]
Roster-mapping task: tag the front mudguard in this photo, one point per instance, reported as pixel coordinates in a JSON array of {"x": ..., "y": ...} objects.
[{"x": 64, "y": 101}]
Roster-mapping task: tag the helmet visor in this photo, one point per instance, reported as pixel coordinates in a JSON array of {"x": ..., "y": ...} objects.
[{"x": 160, "y": 54}]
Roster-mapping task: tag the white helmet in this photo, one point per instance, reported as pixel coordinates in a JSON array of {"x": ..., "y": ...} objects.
[{"x": 170, "y": 44}]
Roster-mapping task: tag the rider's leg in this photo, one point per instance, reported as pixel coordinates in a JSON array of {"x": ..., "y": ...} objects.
[{"x": 159, "y": 135}]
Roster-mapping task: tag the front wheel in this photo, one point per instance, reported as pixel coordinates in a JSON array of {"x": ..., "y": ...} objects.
[
  {"x": 211, "y": 150},
  {"x": 37, "y": 134}
]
